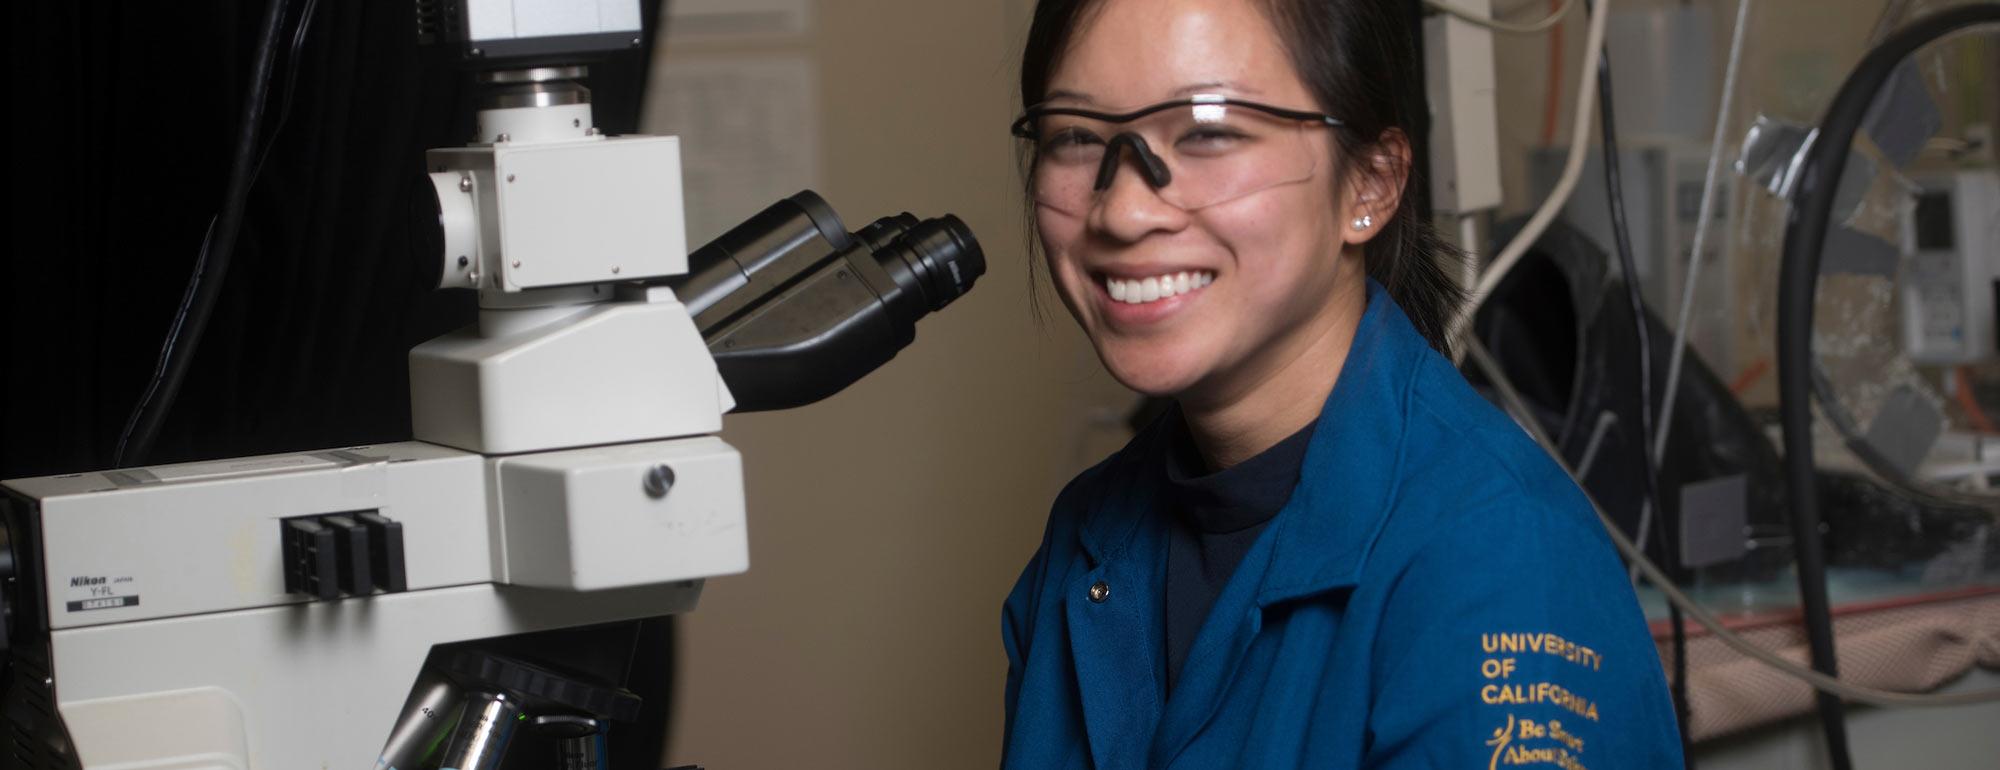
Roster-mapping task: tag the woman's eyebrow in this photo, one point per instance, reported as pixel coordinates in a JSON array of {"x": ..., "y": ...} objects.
[{"x": 1066, "y": 94}]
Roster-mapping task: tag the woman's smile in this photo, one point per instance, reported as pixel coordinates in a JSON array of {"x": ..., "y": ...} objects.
[{"x": 1131, "y": 299}]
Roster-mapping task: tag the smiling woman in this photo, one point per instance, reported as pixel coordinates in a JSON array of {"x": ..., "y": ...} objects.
[
  {"x": 1296, "y": 565},
  {"x": 1242, "y": 117}
]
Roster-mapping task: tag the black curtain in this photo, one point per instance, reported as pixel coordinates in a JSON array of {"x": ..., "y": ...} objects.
[{"x": 127, "y": 115}]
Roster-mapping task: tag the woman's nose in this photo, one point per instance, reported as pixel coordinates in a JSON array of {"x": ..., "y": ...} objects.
[{"x": 1130, "y": 209}]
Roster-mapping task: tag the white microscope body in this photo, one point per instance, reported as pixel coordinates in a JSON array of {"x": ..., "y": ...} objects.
[
  {"x": 407, "y": 605},
  {"x": 563, "y": 475}
]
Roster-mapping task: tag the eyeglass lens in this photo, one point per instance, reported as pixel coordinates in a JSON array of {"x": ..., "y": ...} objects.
[{"x": 1214, "y": 153}]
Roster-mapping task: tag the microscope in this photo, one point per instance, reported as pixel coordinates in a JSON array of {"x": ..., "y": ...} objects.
[{"x": 466, "y": 599}]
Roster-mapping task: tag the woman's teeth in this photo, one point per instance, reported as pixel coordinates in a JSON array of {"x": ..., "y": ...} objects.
[{"x": 1142, "y": 290}]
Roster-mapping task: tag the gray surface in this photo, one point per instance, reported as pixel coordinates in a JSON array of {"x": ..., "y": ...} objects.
[
  {"x": 1903, "y": 116},
  {"x": 1713, "y": 518},
  {"x": 1851, "y": 251},
  {"x": 1855, "y": 180},
  {"x": 1905, "y": 429}
]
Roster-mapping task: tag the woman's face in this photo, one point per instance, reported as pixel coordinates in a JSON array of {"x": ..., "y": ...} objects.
[{"x": 1273, "y": 258}]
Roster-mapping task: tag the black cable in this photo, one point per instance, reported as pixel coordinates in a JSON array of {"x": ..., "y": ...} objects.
[
  {"x": 1622, "y": 234},
  {"x": 292, "y": 68},
  {"x": 199, "y": 298},
  {"x": 1798, "y": 276}
]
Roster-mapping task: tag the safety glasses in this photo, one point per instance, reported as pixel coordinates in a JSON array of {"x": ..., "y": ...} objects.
[{"x": 1195, "y": 152}]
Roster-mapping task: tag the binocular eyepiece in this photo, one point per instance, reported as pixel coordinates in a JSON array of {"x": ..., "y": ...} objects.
[{"x": 794, "y": 307}]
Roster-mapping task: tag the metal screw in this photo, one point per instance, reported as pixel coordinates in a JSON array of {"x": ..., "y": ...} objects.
[
  {"x": 591, "y": 131},
  {"x": 462, "y": 260},
  {"x": 659, "y": 479},
  {"x": 476, "y": 52},
  {"x": 473, "y": 277},
  {"x": 635, "y": 41},
  {"x": 1099, "y": 591},
  {"x": 504, "y": 137},
  {"x": 465, "y": 184},
  {"x": 510, "y": 177},
  {"x": 517, "y": 264},
  {"x": 574, "y": 122},
  {"x": 614, "y": 269}
]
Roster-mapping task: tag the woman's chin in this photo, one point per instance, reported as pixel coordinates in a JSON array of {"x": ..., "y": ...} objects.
[{"x": 1158, "y": 374}]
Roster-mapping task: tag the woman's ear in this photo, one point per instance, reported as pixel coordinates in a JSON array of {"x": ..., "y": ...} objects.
[{"x": 1375, "y": 185}]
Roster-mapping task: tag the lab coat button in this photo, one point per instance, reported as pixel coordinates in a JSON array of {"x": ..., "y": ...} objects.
[{"x": 1099, "y": 591}]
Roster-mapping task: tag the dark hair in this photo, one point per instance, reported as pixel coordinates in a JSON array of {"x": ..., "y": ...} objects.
[{"x": 1358, "y": 58}]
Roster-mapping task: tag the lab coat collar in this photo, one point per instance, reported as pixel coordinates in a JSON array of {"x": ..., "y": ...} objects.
[
  {"x": 1324, "y": 533},
  {"x": 1322, "y": 537}
]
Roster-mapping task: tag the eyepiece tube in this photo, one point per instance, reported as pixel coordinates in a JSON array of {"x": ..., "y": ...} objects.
[
  {"x": 768, "y": 249},
  {"x": 794, "y": 308}
]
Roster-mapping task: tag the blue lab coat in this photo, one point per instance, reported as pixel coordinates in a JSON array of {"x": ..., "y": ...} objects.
[{"x": 1436, "y": 594}]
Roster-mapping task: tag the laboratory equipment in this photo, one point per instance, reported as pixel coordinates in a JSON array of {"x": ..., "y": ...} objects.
[{"x": 465, "y": 599}]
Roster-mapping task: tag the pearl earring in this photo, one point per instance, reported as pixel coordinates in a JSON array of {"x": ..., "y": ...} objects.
[{"x": 1363, "y": 222}]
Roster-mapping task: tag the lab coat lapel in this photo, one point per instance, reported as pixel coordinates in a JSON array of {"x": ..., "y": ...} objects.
[
  {"x": 1233, "y": 622},
  {"x": 1352, "y": 467},
  {"x": 1318, "y": 542},
  {"x": 1116, "y": 639}
]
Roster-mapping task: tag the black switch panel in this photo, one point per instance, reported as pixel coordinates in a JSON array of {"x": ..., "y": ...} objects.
[
  {"x": 385, "y": 550},
  {"x": 350, "y": 541},
  {"x": 353, "y": 552},
  {"x": 310, "y": 568}
]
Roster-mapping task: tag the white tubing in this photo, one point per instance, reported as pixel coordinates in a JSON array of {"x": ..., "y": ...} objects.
[
  {"x": 1684, "y": 317},
  {"x": 1468, "y": 242},
  {"x": 1579, "y": 144},
  {"x": 1682, "y": 321}
]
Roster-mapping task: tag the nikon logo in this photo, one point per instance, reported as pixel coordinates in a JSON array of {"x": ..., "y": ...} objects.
[{"x": 78, "y": 582}]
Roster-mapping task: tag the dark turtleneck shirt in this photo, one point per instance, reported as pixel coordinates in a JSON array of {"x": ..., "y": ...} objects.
[{"x": 1217, "y": 516}]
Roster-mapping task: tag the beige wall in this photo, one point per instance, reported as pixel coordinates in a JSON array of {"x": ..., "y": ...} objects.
[{"x": 888, "y": 522}]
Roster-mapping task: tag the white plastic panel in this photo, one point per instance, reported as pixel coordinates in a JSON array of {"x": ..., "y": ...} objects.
[
  {"x": 1953, "y": 238},
  {"x": 194, "y": 729},
  {"x": 1465, "y": 142},
  {"x": 589, "y": 211},
  {"x": 181, "y": 539},
  {"x": 614, "y": 372},
  {"x": 584, "y": 520},
  {"x": 513, "y": 19},
  {"x": 489, "y": 19}
]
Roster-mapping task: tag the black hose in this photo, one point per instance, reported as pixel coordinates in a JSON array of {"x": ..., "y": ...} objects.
[
  {"x": 1798, "y": 277},
  {"x": 1622, "y": 234},
  {"x": 218, "y": 245}
]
